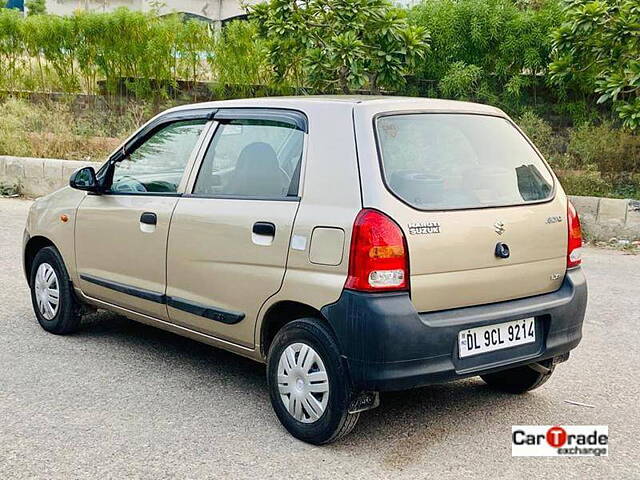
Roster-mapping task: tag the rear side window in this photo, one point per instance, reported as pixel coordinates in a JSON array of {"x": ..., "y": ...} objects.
[
  {"x": 457, "y": 161},
  {"x": 252, "y": 158}
]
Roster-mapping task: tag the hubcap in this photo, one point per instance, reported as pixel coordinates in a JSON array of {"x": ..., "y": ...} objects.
[
  {"x": 303, "y": 382},
  {"x": 47, "y": 290}
]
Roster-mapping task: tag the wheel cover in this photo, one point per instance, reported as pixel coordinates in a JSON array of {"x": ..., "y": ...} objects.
[
  {"x": 303, "y": 382},
  {"x": 47, "y": 291}
]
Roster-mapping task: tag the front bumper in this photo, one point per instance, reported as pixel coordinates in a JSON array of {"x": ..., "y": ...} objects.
[
  {"x": 387, "y": 345},
  {"x": 25, "y": 239}
]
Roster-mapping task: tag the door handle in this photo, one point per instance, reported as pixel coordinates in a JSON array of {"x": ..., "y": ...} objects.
[
  {"x": 264, "y": 228},
  {"x": 149, "y": 218}
]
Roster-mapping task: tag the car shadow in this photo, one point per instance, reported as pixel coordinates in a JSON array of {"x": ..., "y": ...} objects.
[
  {"x": 404, "y": 426},
  {"x": 164, "y": 346}
]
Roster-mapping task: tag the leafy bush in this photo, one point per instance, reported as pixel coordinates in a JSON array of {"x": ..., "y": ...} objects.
[
  {"x": 490, "y": 45},
  {"x": 72, "y": 53},
  {"x": 598, "y": 160},
  {"x": 587, "y": 182},
  {"x": 540, "y": 133},
  {"x": 597, "y": 47},
  {"x": 239, "y": 56},
  {"x": 10, "y": 47},
  {"x": 36, "y": 7},
  {"x": 614, "y": 152},
  {"x": 461, "y": 80}
]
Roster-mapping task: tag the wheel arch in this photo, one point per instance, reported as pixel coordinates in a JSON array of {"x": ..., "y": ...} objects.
[
  {"x": 281, "y": 313},
  {"x": 32, "y": 247}
]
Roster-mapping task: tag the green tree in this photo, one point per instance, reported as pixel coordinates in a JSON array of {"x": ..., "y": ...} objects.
[
  {"x": 11, "y": 47},
  {"x": 343, "y": 44},
  {"x": 486, "y": 49},
  {"x": 36, "y": 7},
  {"x": 598, "y": 48},
  {"x": 239, "y": 56}
]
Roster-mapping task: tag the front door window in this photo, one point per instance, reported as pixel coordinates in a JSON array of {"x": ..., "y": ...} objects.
[{"x": 157, "y": 166}]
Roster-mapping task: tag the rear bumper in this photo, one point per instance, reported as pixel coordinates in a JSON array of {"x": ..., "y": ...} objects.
[{"x": 389, "y": 346}]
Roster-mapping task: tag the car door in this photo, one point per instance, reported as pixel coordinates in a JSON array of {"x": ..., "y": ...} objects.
[
  {"x": 121, "y": 235},
  {"x": 230, "y": 234}
]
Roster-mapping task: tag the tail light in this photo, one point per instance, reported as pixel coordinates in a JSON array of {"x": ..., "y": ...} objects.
[
  {"x": 574, "y": 247},
  {"x": 378, "y": 259}
]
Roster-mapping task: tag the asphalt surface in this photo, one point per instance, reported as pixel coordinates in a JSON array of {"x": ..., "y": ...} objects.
[{"x": 123, "y": 400}]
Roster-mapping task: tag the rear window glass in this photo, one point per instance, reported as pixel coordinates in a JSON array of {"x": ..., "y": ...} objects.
[{"x": 457, "y": 161}]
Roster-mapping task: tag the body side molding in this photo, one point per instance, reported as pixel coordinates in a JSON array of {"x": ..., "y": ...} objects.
[{"x": 211, "y": 312}]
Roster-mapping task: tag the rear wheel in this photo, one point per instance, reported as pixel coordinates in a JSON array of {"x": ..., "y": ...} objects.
[
  {"x": 53, "y": 301},
  {"x": 308, "y": 384},
  {"x": 521, "y": 379}
]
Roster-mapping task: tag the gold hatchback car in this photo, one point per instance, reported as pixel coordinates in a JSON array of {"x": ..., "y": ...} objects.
[{"x": 353, "y": 244}]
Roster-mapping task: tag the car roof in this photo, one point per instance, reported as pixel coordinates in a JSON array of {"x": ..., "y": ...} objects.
[{"x": 370, "y": 102}]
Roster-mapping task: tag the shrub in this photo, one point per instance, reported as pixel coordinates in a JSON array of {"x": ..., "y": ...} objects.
[
  {"x": 494, "y": 44},
  {"x": 36, "y": 7},
  {"x": 460, "y": 81},
  {"x": 72, "y": 53},
  {"x": 239, "y": 56},
  {"x": 615, "y": 152},
  {"x": 13, "y": 138},
  {"x": 597, "y": 49},
  {"x": 58, "y": 130},
  {"x": 587, "y": 182},
  {"x": 11, "y": 48},
  {"x": 540, "y": 133}
]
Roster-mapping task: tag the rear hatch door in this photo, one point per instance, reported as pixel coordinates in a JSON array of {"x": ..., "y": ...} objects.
[{"x": 482, "y": 213}]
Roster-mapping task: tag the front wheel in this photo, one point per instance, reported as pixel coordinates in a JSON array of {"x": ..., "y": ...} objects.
[
  {"x": 308, "y": 384},
  {"x": 53, "y": 301},
  {"x": 520, "y": 379}
]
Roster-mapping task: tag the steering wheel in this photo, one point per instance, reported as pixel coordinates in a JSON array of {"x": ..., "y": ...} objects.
[{"x": 128, "y": 184}]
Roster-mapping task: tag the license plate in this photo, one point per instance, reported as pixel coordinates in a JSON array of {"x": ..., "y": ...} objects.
[{"x": 474, "y": 341}]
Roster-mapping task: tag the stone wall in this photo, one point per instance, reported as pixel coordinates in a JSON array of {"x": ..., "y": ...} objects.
[
  {"x": 605, "y": 219},
  {"x": 602, "y": 218},
  {"x": 38, "y": 176}
]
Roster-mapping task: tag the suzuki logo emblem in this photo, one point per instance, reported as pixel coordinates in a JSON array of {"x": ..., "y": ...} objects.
[{"x": 499, "y": 227}]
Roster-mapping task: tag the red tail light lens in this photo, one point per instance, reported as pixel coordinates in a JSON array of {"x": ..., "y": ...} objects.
[
  {"x": 574, "y": 247},
  {"x": 378, "y": 259}
]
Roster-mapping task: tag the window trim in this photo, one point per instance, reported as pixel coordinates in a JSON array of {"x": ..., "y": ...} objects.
[
  {"x": 249, "y": 113},
  {"x": 381, "y": 170},
  {"x": 243, "y": 197},
  {"x": 294, "y": 118}
]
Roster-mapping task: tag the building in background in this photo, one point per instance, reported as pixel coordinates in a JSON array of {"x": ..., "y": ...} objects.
[
  {"x": 213, "y": 10},
  {"x": 18, "y": 4}
]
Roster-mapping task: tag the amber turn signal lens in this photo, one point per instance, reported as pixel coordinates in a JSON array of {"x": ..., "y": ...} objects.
[
  {"x": 386, "y": 251},
  {"x": 64, "y": 218}
]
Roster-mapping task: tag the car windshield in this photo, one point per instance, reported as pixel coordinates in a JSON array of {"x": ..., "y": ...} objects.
[{"x": 457, "y": 161}]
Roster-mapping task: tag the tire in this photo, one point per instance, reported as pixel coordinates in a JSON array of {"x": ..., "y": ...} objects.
[
  {"x": 49, "y": 273},
  {"x": 310, "y": 336},
  {"x": 520, "y": 379}
]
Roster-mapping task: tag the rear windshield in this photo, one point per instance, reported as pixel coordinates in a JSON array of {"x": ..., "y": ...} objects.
[{"x": 456, "y": 161}]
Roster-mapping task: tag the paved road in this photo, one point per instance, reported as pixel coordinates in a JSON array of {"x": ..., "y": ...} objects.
[{"x": 123, "y": 400}]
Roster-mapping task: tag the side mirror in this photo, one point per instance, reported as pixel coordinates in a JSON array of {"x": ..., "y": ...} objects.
[{"x": 84, "y": 179}]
